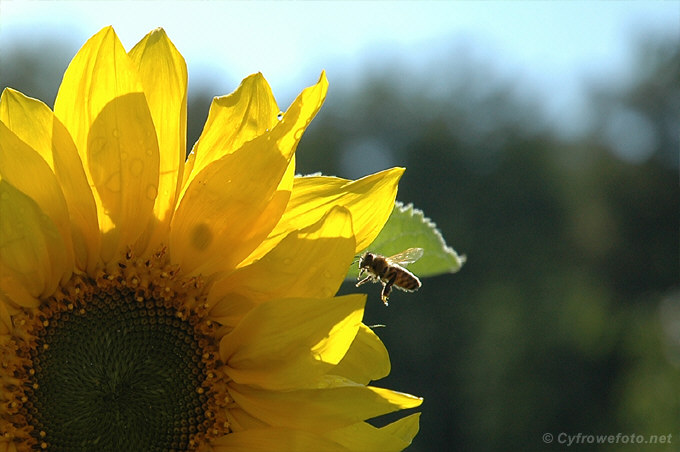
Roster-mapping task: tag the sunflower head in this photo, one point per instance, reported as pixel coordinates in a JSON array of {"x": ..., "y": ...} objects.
[{"x": 154, "y": 302}]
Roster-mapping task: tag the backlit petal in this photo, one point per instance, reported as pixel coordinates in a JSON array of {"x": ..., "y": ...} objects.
[
  {"x": 5, "y": 316},
  {"x": 308, "y": 263},
  {"x": 36, "y": 125},
  {"x": 164, "y": 77},
  {"x": 369, "y": 199},
  {"x": 100, "y": 72},
  {"x": 123, "y": 162},
  {"x": 274, "y": 439},
  {"x": 102, "y": 104},
  {"x": 366, "y": 360},
  {"x": 14, "y": 292},
  {"x": 241, "y": 116},
  {"x": 320, "y": 409},
  {"x": 27, "y": 171},
  {"x": 288, "y": 343},
  {"x": 391, "y": 438},
  {"x": 32, "y": 250},
  {"x": 233, "y": 204}
]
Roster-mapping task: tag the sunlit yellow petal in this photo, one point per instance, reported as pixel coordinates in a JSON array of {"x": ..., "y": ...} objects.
[
  {"x": 226, "y": 211},
  {"x": 100, "y": 72},
  {"x": 164, "y": 77},
  {"x": 27, "y": 171},
  {"x": 14, "y": 292},
  {"x": 234, "y": 203},
  {"x": 308, "y": 263},
  {"x": 123, "y": 161},
  {"x": 320, "y": 409},
  {"x": 239, "y": 420},
  {"x": 5, "y": 316},
  {"x": 6, "y": 446},
  {"x": 274, "y": 439},
  {"x": 31, "y": 246},
  {"x": 248, "y": 112},
  {"x": 369, "y": 199},
  {"x": 102, "y": 104},
  {"x": 364, "y": 437},
  {"x": 289, "y": 342},
  {"x": 366, "y": 360},
  {"x": 36, "y": 125}
]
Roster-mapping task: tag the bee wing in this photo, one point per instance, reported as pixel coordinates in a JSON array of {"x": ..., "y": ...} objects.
[{"x": 407, "y": 256}]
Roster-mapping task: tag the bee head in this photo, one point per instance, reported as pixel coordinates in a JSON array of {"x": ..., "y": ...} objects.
[{"x": 365, "y": 260}]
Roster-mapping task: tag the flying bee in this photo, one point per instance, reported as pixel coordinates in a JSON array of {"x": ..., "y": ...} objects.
[{"x": 389, "y": 271}]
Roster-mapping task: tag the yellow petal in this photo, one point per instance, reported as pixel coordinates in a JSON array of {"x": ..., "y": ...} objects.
[
  {"x": 290, "y": 342},
  {"x": 5, "y": 316},
  {"x": 228, "y": 209},
  {"x": 123, "y": 162},
  {"x": 369, "y": 199},
  {"x": 241, "y": 116},
  {"x": 163, "y": 72},
  {"x": 234, "y": 202},
  {"x": 13, "y": 292},
  {"x": 7, "y": 446},
  {"x": 100, "y": 72},
  {"x": 274, "y": 439},
  {"x": 320, "y": 409},
  {"x": 36, "y": 125},
  {"x": 364, "y": 437},
  {"x": 239, "y": 420},
  {"x": 102, "y": 104},
  {"x": 27, "y": 171},
  {"x": 308, "y": 263},
  {"x": 32, "y": 251},
  {"x": 366, "y": 360}
]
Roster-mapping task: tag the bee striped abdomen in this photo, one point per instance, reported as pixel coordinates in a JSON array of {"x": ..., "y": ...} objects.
[{"x": 406, "y": 280}]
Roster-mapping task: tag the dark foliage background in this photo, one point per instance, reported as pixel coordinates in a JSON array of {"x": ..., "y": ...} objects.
[{"x": 566, "y": 317}]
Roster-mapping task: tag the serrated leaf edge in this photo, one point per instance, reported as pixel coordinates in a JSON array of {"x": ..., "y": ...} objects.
[{"x": 405, "y": 208}]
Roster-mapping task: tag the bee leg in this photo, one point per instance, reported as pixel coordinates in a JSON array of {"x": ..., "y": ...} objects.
[
  {"x": 387, "y": 288},
  {"x": 363, "y": 281}
]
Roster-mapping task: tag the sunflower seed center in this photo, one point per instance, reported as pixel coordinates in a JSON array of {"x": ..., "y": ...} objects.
[
  {"x": 118, "y": 375},
  {"x": 126, "y": 362}
]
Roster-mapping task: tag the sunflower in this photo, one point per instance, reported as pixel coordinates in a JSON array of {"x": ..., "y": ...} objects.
[{"x": 150, "y": 302}]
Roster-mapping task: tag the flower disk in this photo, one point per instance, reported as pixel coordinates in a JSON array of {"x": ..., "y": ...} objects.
[{"x": 153, "y": 302}]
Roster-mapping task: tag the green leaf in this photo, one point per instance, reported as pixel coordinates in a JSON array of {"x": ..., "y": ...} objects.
[{"x": 406, "y": 228}]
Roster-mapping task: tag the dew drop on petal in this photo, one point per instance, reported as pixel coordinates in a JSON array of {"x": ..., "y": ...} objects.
[
  {"x": 123, "y": 155},
  {"x": 116, "y": 133},
  {"x": 287, "y": 261},
  {"x": 298, "y": 133},
  {"x": 326, "y": 274},
  {"x": 279, "y": 116},
  {"x": 97, "y": 145}
]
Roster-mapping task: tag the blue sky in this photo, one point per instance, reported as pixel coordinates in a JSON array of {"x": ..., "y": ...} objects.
[{"x": 548, "y": 46}]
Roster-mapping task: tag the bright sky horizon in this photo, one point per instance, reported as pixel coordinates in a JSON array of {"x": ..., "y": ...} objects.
[{"x": 552, "y": 46}]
